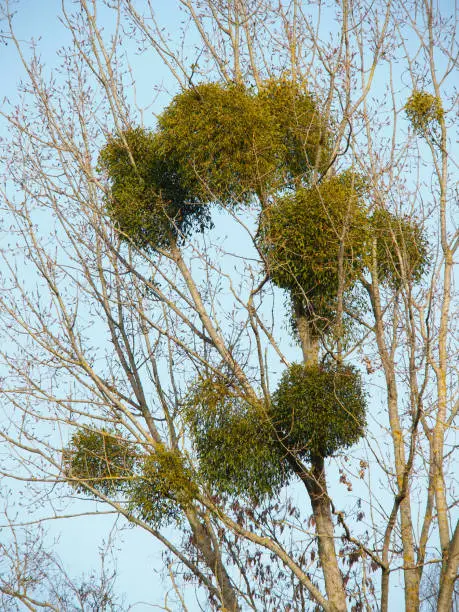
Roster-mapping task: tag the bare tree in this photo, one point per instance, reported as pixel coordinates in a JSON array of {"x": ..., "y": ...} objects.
[
  {"x": 145, "y": 354},
  {"x": 34, "y": 578}
]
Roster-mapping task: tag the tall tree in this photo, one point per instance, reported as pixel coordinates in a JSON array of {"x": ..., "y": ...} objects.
[{"x": 149, "y": 359}]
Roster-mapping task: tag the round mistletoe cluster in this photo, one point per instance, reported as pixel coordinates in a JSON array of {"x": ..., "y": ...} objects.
[
  {"x": 321, "y": 240},
  {"x": 222, "y": 142},
  {"x": 233, "y": 441},
  {"x": 100, "y": 459},
  {"x": 313, "y": 236},
  {"x": 318, "y": 410},
  {"x": 147, "y": 199},
  {"x": 424, "y": 111},
  {"x": 164, "y": 487},
  {"x": 401, "y": 248}
]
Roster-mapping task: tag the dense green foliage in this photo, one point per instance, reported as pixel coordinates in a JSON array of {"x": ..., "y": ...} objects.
[
  {"x": 227, "y": 144},
  {"x": 424, "y": 111},
  {"x": 233, "y": 441},
  {"x": 215, "y": 143},
  {"x": 157, "y": 486},
  {"x": 302, "y": 235},
  {"x": 231, "y": 142},
  {"x": 401, "y": 248},
  {"x": 318, "y": 410},
  {"x": 102, "y": 459},
  {"x": 224, "y": 143},
  {"x": 304, "y": 135},
  {"x": 243, "y": 450},
  {"x": 164, "y": 488},
  {"x": 147, "y": 200}
]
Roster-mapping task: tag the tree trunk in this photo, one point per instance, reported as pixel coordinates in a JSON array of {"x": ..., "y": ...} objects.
[
  {"x": 410, "y": 573},
  {"x": 449, "y": 574},
  {"x": 308, "y": 339},
  {"x": 205, "y": 544},
  {"x": 316, "y": 486}
]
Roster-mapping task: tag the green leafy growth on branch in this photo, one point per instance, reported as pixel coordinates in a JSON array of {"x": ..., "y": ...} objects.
[
  {"x": 232, "y": 439},
  {"x": 157, "y": 486},
  {"x": 231, "y": 142},
  {"x": 101, "y": 459},
  {"x": 215, "y": 143},
  {"x": 302, "y": 236},
  {"x": 318, "y": 410},
  {"x": 401, "y": 248},
  {"x": 424, "y": 111},
  {"x": 223, "y": 142},
  {"x": 303, "y": 133},
  {"x": 147, "y": 200},
  {"x": 164, "y": 488}
]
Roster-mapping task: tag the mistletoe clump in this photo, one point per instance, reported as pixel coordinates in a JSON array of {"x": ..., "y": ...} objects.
[
  {"x": 222, "y": 141},
  {"x": 156, "y": 485},
  {"x": 147, "y": 199},
  {"x": 164, "y": 487},
  {"x": 318, "y": 410},
  {"x": 304, "y": 234},
  {"x": 99, "y": 458},
  {"x": 401, "y": 248},
  {"x": 424, "y": 111},
  {"x": 233, "y": 442},
  {"x": 231, "y": 142},
  {"x": 215, "y": 142},
  {"x": 303, "y": 132}
]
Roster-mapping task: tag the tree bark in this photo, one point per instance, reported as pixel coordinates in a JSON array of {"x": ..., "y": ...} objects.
[
  {"x": 309, "y": 340},
  {"x": 212, "y": 557},
  {"x": 411, "y": 575},
  {"x": 316, "y": 485},
  {"x": 449, "y": 574}
]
